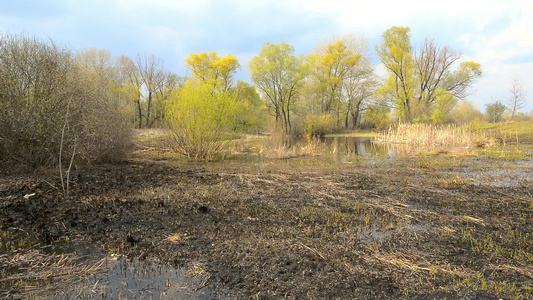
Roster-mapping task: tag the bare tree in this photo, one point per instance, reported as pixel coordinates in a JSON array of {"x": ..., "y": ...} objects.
[
  {"x": 153, "y": 77},
  {"x": 516, "y": 99},
  {"x": 135, "y": 82},
  {"x": 432, "y": 65}
]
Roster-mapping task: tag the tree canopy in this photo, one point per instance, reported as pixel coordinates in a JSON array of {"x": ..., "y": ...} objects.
[
  {"x": 423, "y": 84},
  {"x": 277, "y": 73},
  {"x": 212, "y": 69}
]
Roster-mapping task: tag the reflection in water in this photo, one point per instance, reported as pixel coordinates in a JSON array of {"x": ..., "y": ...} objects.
[
  {"x": 343, "y": 148},
  {"x": 356, "y": 146},
  {"x": 135, "y": 279}
]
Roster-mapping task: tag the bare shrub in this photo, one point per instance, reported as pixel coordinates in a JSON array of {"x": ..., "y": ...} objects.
[{"x": 48, "y": 104}]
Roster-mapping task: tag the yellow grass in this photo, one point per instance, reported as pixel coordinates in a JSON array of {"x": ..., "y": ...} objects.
[{"x": 431, "y": 137}]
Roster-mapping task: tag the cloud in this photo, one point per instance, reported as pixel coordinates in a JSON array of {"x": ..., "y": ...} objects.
[{"x": 504, "y": 47}]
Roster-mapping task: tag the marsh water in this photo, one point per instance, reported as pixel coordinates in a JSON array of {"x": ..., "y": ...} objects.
[
  {"x": 131, "y": 278},
  {"x": 354, "y": 145},
  {"x": 305, "y": 147}
]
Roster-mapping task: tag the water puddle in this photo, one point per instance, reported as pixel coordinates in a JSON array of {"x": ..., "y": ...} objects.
[
  {"x": 124, "y": 278},
  {"x": 77, "y": 269},
  {"x": 354, "y": 145},
  {"x": 514, "y": 175}
]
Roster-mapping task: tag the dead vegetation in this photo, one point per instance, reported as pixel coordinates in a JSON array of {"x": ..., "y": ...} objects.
[{"x": 428, "y": 137}]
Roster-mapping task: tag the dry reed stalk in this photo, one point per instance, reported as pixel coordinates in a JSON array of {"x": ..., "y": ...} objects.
[{"x": 431, "y": 137}]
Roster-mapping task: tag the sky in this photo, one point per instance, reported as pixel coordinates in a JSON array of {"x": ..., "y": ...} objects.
[{"x": 496, "y": 34}]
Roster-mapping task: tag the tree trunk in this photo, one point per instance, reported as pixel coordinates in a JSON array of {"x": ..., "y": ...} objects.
[
  {"x": 148, "y": 108},
  {"x": 346, "y": 118},
  {"x": 140, "y": 113},
  {"x": 355, "y": 118}
]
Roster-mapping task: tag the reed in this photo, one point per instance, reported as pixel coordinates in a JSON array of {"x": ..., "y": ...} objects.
[
  {"x": 433, "y": 137},
  {"x": 281, "y": 146}
]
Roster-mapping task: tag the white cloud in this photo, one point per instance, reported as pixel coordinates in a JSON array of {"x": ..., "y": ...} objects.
[{"x": 503, "y": 53}]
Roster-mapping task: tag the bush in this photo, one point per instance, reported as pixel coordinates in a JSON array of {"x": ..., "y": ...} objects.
[
  {"x": 50, "y": 107},
  {"x": 202, "y": 120},
  {"x": 378, "y": 116},
  {"x": 319, "y": 125}
]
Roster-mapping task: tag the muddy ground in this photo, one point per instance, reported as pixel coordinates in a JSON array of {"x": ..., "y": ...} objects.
[{"x": 440, "y": 226}]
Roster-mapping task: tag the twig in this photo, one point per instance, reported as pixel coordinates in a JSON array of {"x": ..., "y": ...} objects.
[
  {"x": 312, "y": 250},
  {"x": 61, "y": 148}
]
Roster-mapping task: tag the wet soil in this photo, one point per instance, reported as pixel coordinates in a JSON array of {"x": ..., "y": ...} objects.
[{"x": 383, "y": 228}]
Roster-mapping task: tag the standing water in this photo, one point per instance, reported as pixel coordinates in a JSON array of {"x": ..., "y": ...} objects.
[
  {"x": 355, "y": 145},
  {"x": 124, "y": 278}
]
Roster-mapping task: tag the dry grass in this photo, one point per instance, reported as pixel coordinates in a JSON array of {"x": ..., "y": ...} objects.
[
  {"x": 432, "y": 137},
  {"x": 42, "y": 273}
]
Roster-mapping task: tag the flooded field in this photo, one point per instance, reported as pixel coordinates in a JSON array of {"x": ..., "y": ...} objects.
[{"x": 339, "y": 219}]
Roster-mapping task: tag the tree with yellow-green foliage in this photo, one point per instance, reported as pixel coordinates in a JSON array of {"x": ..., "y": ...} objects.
[
  {"x": 330, "y": 65},
  {"x": 339, "y": 84},
  {"x": 423, "y": 85},
  {"x": 212, "y": 69},
  {"x": 494, "y": 111},
  {"x": 465, "y": 112},
  {"x": 255, "y": 114},
  {"x": 278, "y": 74}
]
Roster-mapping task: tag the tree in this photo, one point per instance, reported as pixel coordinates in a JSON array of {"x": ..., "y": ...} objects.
[
  {"x": 495, "y": 111},
  {"x": 254, "y": 111},
  {"x": 145, "y": 79},
  {"x": 277, "y": 73},
  {"x": 96, "y": 60},
  {"x": 341, "y": 79},
  {"x": 423, "y": 84},
  {"x": 395, "y": 53},
  {"x": 153, "y": 77},
  {"x": 359, "y": 87},
  {"x": 465, "y": 112},
  {"x": 170, "y": 83},
  {"x": 378, "y": 116},
  {"x": 516, "y": 98},
  {"x": 212, "y": 69},
  {"x": 98, "y": 63},
  {"x": 133, "y": 86},
  {"x": 330, "y": 64}
]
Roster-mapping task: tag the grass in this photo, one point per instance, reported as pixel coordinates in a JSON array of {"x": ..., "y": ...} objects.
[
  {"x": 35, "y": 273},
  {"x": 428, "y": 137},
  {"x": 511, "y": 132}
]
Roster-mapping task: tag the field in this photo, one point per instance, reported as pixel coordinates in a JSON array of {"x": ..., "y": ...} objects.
[{"x": 447, "y": 225}]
